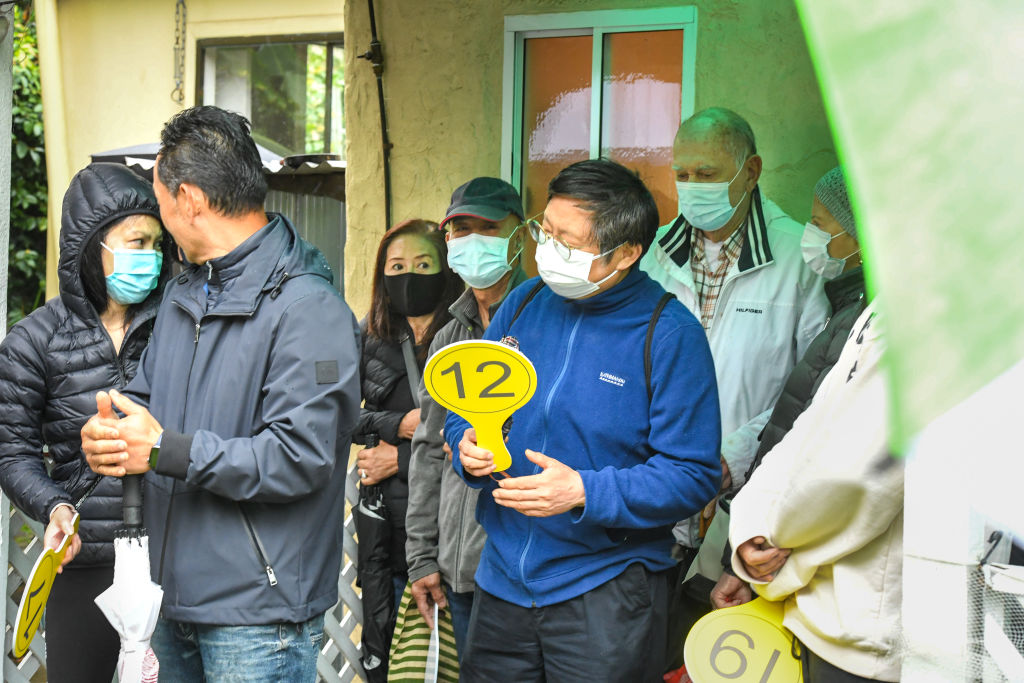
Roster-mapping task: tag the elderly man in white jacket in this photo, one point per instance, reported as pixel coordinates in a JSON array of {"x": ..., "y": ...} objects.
[
  {"x": 820, "y": 523},
  {"x": 734, "y": 259}
]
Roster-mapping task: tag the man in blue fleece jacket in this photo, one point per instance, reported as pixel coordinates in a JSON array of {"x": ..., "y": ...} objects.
[{"x": 605, "y": 458}]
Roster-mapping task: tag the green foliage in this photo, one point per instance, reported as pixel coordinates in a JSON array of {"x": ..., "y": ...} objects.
[
  {"x": 316, "y": 99},
  {"x": 288, "y": 88},
  {"x": 316, "y": 93},
  {"x": 27, "y": 254}
]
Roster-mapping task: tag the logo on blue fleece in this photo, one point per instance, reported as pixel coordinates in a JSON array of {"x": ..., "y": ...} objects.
[{"x": 611, "y": 379}]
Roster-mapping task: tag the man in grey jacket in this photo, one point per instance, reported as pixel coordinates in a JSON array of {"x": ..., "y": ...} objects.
[
  {"x": 240, "y": 417},
  {"x": 443, "y": 539}
]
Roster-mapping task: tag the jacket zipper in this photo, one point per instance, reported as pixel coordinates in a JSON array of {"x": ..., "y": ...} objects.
[
  {"x": 120, "y": 367},
  {"x": 253, "y": 536},
  {"x": 118, "y": 361},
  {"x": 174, "y": 483},
  {"x": 184, "y": 410},
  {"x": 258, "y": 546},
  {"x": 544, "y": 444},
  {"x": 723, "y": 301}
]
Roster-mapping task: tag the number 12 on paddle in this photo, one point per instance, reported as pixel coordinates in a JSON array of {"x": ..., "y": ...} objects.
[{"x": 484, "y": 382}]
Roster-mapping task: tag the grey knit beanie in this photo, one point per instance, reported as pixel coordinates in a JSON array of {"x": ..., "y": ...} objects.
[{"x": 831, "y": 191}]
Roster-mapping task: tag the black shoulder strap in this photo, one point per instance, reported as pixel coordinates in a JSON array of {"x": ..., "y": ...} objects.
[
  {"x": 665, "y": 298},
  {"x": 412, "y": 371},
  {"x": 522, "y": 304}
]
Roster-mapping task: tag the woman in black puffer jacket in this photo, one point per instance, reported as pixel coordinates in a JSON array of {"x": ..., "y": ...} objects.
[
  {"x": 413, "y": 286},
  {"x": 111, "y": 270}
]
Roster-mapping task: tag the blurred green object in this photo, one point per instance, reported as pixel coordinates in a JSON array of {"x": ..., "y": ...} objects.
[{"x": 926, "y": 102}]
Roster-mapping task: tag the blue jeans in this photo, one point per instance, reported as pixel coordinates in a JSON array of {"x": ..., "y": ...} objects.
[
  {"x": 398, "y": 582},
  {"x": 461, "y": 605},
  {"x": 233, "y": 654}
]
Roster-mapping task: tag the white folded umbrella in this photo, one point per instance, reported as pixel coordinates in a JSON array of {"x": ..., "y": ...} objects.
[{"x": 132, "y": 605}]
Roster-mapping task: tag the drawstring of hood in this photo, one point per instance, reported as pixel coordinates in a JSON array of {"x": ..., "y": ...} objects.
[{"x": 276, "y": 289}]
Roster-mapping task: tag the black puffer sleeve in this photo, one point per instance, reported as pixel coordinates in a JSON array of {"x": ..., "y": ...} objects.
[
  {"x": 383, "y": 423},
  {"x": 23, "y": 392},
  {"x": 377, "y": 378}
]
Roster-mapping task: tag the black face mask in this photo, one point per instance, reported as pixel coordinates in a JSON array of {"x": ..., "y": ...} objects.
[{"x": 414, "y": 294}]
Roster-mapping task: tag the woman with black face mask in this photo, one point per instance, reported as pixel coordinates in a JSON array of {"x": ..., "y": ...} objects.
[{"x": 413, "y": 286}]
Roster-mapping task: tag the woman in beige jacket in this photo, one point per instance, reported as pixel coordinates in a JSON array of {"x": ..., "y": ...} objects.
[{"x": 820, "y": 524}]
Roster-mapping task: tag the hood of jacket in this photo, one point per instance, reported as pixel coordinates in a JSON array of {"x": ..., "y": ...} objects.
[
  {"x": 233, "y": 284},
  {"x": 98, "y": 195}
]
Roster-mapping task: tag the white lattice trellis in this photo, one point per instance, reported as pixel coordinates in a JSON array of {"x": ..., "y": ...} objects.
[
  {"x": 339, "y": 658},
  {"x": 20, "y": 563}
]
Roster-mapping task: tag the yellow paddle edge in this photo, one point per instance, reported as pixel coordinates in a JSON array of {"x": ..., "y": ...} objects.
[
  {"x": 483, "y": 382},
  {"x": 742, "y": 644},
  {"x": 37, "y": 592}
]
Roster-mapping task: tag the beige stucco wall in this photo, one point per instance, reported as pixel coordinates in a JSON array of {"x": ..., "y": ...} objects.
[
  {"x": 443, "y": 81},
  {"x": 108, "y": 85},
  {"x": 108, "y": 71}
]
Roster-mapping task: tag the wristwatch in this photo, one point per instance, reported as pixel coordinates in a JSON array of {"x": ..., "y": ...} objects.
[{"x": 154, "y": 452}]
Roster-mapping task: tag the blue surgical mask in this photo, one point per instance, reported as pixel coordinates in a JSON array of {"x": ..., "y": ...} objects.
[
  {"x": 136, "y": 272},
  {"x": 480, "y": 260},
  {"x": 706, "y": 206}
]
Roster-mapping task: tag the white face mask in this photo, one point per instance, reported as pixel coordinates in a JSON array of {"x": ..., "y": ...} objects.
[
  {"x": 706, "y": 206},
  {"x": 814, "y": 246},
  {"x": 480, "y": 260},
  {"x": 569, "y": 279}
]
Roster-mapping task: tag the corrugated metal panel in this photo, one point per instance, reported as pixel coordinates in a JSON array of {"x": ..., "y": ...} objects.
[{"x": 320, "y": 221}]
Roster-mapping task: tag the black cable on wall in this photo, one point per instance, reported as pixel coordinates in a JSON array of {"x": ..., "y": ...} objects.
[{"x": 376, "y": 57}]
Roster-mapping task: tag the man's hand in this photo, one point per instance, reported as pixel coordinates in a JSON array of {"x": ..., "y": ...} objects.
[
  {"x": 410, "y": 421},
  {"x": 554, "y": 490},
  {"x": 104, "y": 451},
  {"x": 730, "y": 591},
  {"x": 138, "y": 429},
  {"x": 118, "y": 447},
  {"x": 427, "y": 592},
  {"x": 59, "y": 528},
  {"x": 477, "y": 461},
  {"x": 761, "y": 561},
  {"x": 377, "y": 463}
]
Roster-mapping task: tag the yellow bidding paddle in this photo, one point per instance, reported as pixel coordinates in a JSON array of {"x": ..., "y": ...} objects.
[
  {"x": 484, "y": 382},
  {"x": 37, "y": 591},
  {"x": 746, "y": 643}
]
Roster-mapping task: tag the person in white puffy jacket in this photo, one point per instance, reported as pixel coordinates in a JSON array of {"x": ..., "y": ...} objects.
[{"x": 819, "y": 525}]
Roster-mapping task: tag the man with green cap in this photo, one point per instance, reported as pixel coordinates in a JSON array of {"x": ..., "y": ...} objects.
[{"x": 443, "y": 540}]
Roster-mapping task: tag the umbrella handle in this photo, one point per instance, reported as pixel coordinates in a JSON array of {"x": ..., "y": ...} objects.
[{"x": 131, "y": 501}]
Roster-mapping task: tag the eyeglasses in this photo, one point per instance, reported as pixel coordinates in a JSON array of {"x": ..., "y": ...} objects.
[{"x": 540, "y": 236}]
